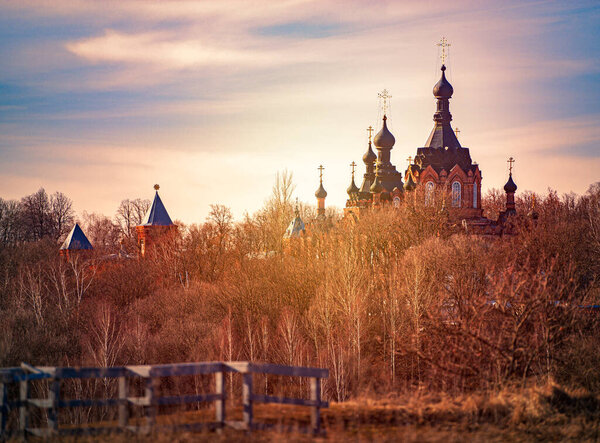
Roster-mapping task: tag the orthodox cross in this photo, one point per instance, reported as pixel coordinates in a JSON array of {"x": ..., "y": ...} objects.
[
  {"x": 353, "y": 165},
  {"x": 444, "y": 44},
  {"x": 409, "y": 160},
  {"x": 385, "y": 96},
  {"x": 370, "y": 129},
  {"x": 457, "y": 131},
  {"x": 320, "y": 168},
  {"x": 510, "y": 162}
]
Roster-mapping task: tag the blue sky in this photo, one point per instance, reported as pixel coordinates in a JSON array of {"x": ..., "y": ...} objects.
[{"x": 101, "y": 100}]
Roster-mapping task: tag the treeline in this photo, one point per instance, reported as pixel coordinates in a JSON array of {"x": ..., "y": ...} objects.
[{"x": 400, "y": 299}]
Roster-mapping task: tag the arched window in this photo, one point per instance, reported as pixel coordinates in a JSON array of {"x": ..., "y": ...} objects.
[
  {"x": 475, "y": 195},
  {"x": 429, "y": 193},
  {"x": 456, "y": 194}
]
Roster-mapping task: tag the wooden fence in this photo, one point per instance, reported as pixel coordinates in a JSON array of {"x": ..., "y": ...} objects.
[{"x": 150, "y": 402}]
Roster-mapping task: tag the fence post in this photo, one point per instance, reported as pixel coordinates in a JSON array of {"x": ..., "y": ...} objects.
[
  {"x": 247, "y": 399},
  {"x": 152, "y": 407},
  {"x": 123, "y": 407},
  {"x": 220, "y": 403},
  {"x": 315, "y": 395},
  {"x": 23, "y": 408},
  {"x": 54, "y": 397},
  {"x": 3, "y": 409}
]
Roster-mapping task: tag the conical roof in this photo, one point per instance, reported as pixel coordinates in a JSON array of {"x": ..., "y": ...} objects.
[
  {"x": 352, "y": 189},
  {"x": 296, "y": 227},
  {"x": 443, "y": 88},
  {"x": 376, "y": 187},
  {"x": 384, "y": 138},
  {"x": 321, "y": 192},
  {"x": 369, "y": 156},
  {"x": 157, "y": 215},
  {"x": 510, "y": 185},
  {"x": 410, "y": 184},
  {"x": 76, "y": 240}
]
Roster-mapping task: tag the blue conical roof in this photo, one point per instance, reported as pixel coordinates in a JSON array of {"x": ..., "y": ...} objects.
[
  {"x": 76, "y": 240},
  {"x": 157, "y": 215}
]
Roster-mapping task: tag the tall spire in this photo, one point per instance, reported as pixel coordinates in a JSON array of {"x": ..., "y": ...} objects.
[
  {"x": 157, "y": 215},
  {"x": 353, "y": 189},
  {"x": 442, "y": 135},
  {"x": 321, "y": 193}
]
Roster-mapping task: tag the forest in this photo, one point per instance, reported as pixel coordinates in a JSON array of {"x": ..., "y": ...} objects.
[{"x": 398, "y": 301}]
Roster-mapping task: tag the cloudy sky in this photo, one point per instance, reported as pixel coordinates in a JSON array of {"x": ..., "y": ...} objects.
[{"x": 101, "y": 100}]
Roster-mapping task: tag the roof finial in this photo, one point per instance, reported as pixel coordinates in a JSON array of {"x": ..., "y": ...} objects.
[
  {"x": 370, "y": 129},
  {"x": 409, "y": 160},
  {"x": 156, "y": 187},
  {"x": 457, "y": 131},
  {"x": 510, "y": 162},
  {"x": 353, "y": 165},
  {"x": 444, "y": 44},
  {"x": 320, "y": 168},
  {"x": 385, "y": 96},
  {"x": 296, "y": 210}
]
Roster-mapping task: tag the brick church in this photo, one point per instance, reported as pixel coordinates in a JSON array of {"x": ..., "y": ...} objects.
[{"x": 442, "y": 165}]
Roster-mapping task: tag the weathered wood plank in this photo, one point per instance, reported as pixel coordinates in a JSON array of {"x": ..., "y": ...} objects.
[
  {"x": 315, "y": 396},
  {"x": 86, "y": 402},
  {"x": 123, "y": 407},
  {"x": 23, "y": 409},
  {"x": 4, "y": 408},
  {"x": 220, "y": 413},
  {"x": 151, "y": 409},
  {"x": 53, "y": 399},
  {"x": 182, "y": 399},
  {"x": 186, "y": 369},
  {"x": 247, "y": 399},
  {"x": 288, "y": 401},
  {"x": 292, "y": 371}
]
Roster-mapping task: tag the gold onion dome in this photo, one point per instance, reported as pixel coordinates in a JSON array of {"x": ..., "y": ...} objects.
[
  {"x": 376, "y": 187},
  {"x": 384, "y": 138},
  {"x": 321, "y": 192},
  {"x": 410, "y": 185},
  {"x": 443, "y": 88},
  {"x": 369, "y": 156},
  {"x": 510, "y": 185}
]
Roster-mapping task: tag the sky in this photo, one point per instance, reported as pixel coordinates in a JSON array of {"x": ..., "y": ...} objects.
[{"x": 211, "y": 99}]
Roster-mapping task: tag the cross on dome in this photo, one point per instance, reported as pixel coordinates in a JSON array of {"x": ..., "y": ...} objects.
[
  {"x": 385, "y": 95},
  {"x": 444, "y": 44},
  {"x": 370, "y": 129},
  {"x": 510, "y": 162}
]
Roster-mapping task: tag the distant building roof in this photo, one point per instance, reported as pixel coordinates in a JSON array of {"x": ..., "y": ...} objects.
[
  {"x": 157, "y": 215},
  {"x": 296, "y": 227},
  {"x": 76, "y": 240}
]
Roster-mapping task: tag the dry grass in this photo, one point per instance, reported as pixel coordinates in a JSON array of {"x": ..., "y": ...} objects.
[{"x": 547, "y": 413}]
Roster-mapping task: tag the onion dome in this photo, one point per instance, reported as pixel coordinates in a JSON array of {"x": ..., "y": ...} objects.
[
  {"x": 376, "y": 187},
  {"x": 352, "y": 189},
  {"x": 369, "y": 156},
  {"x": 410, "y": 184},
  {"x": 510, "y": 185},
  {"x": 384, "y": 138},
  {"x": 321, "y": 192},
  {"x": 443, "y": 88}
]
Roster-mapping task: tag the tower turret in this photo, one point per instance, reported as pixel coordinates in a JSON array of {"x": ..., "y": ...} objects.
[
  {"x": 321, "y": 194},
  {"x": 510, "y": 188}
]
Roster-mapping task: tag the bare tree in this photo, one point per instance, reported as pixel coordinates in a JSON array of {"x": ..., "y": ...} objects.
[
  {"x": 61, "y": 210},
  {"x": 130, "y": 213}
]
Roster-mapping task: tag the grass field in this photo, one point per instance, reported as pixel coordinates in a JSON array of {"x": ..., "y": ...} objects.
[{"x": 548, "y": 413}]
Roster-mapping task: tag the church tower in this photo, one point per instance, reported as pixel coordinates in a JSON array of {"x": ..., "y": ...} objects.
[
  {"x": 443, "y": 164},
  {"x": 321, "y": 194},
  {"x": 156, "y": 224}
]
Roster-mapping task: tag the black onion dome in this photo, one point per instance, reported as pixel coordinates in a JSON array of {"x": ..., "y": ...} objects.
[
  {"x": 443, "y": 88},
  {"x": 369, "y": 156},
  {"x": 410, "y": 184},
  {"x": 384, "y": 138},
  {"x": 510, "y": 185},
  {"x": 376, "y": 187},
  {"x": 352, "y": 189},
  {"x": 321, "y": 192}
]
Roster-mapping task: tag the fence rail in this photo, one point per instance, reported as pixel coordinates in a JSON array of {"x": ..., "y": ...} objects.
[{"x": 22, "y": 376}]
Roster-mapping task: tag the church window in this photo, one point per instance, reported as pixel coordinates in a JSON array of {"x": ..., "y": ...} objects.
[
  {"x": 429, "y": 193},
  {"x": 456, "y": 194},
  {"x": 475, "y": 194}
]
